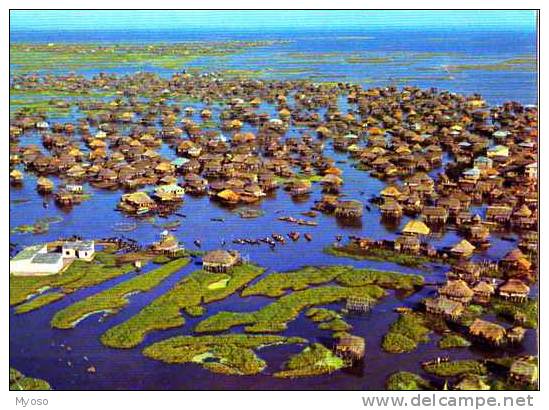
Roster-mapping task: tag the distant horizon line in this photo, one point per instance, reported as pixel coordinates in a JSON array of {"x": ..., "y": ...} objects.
[{"x": 286, "y": 29}]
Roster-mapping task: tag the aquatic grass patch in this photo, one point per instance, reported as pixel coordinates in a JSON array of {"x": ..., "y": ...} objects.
[
  {"x": 524, "y": 313},
  {"x": 40, "y": 226},
  {"x": 321, "y": 314},
  {"x": 39, "y": 301},
  {"x": 407, "y": 381},
  {"x": 381, "y": 255},
  {"x": 275, "y": 316},
  {"x": 115, "y": 298},
  {"x": 526, "y": 64},
  {"x": 277, "y": 284},
  {"x": 26, "y": 57},
  {"x": 18, "y": 381},
  {"x": 456, "y": 368},
  {"x": 328, "y": 320},
  {"x": 80, "y": 274},
  {"x": 189, "y": 294},
  {"x": 227, "y": 354},
  {"x": 314, "y": 360},
  {"x": 451, "y": 340},
  {"x": 405, "y": 334}
]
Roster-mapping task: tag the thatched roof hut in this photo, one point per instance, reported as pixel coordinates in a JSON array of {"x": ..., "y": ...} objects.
[
  {"x": 441, "y": 305},
  {"x": 416, "y": 227},
  {"x": 457, "y": 290},
  {"x": 488, "y": 331},
  {"x": 514, "y": 289},
  {"x": 350, "y": 347},
  {"x": 220, "y": 260},
  {"x": 463, "y": 249},
  {"x": 524, "y": 370}
]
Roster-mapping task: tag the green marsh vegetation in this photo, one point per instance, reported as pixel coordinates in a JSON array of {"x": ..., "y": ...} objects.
[
  {"x": 115, "y": 298},
  {"x": 189, "y": 294},
  {"x": 227, "y": 354},
  {"x": 406, "y": 333},
  {"x": 383, "y": 255},
  {"x": 314, "y": 360},
  {"x": 277, "y": 284},
  {"x": 525, "y": 313},
  {"x": 451, "y": 340},
  {"x": 79, "y": 275},
  {"x": 328, "y": 320},
  {"x": 274, "y": 317},
  {"x": 18, "y": 381},
  {"x": 47, "y": 57},
  {"x": 523, "y": 64},
  {"x": 39, "y": 301},
  {"x": 456, "y": 368},
  {"x": 407, "y": 381}
]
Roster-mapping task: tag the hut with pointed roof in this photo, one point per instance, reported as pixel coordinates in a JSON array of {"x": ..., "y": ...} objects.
[
  {"x": 463, "y": 249},
  {"x": 515, "y": 290},
  {"x": 416, "y": 227},
  {"x": 442, "y": 306},
  {"x": 483, "y": 291},
  {"x": 220, "y": 260},
  {"x": 457, "y": 290},
  {"x": 487, "y": 332}
]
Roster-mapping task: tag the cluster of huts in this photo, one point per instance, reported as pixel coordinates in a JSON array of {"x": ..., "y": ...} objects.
[{"x": 467, "y": 284}]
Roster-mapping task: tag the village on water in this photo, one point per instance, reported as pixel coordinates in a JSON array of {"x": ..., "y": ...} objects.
[{"x": 286, "y": 231}]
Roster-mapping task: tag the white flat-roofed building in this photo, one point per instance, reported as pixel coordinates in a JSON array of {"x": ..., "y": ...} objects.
[
  {"x": 84, "y": 250},
  {"x": 35, "y": 260}
]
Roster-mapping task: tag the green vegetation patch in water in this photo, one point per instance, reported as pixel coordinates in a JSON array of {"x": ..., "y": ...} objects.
[
  {"x": 407, "y": 381},
  {"x": 382, "y": 255},
  {"x": 314, "y": 360},
  {"x": 450, "y": 341},
  {"x": 227, "y": 354},
  {"x": 79, "y": 275},
  {"x": 18, "y": 381},
  {"x": 276, "y": 284},
  {"x": 275, "y": 316},
  {"x": 115, "y": 298},
  {"x": 456, "y": 368},
  {"x": 190, "y": 293},
  {"x": 39, "y": 301},
  {"x": 405, "y": 334}
]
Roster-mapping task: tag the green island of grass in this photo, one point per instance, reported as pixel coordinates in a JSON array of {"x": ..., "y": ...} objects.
[
  {"x": 450, "y": 341},
  {"x": 383, "y": 255},
  {"x": 227, "y": 354},
  {"x": 115, "y": 298},
  {"x": 525, "y": 313},
  {"x": 276, "y": 284},
  {"x": 456, "y": 368},
  {"x": 275, "y": 316},
  {"x": 18, "y": 381},
  {"x": 407, "y": 381},
  {"x": 405, "y": 334},
  {"x": 314, "y": 360},
  {"x": 66, "y": 56},
  {"x": 189, "y": 294},
  {"x": 39, "y": 301},
  {"x": 79, "y": 275},
  {"x": 328, "y": 320}
]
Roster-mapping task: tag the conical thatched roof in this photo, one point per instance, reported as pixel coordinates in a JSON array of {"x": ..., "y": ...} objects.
[
  {"x": 228, "y": 195},
  {"x": 416, "y": 227},
  {"x": 488, "y": 330},
  {"x": 456, "y": 288},
  {"x": 463, "y": 247}
]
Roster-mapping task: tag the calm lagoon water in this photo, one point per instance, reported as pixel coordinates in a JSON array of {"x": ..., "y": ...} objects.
[{"x": 34, "y": 346}]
